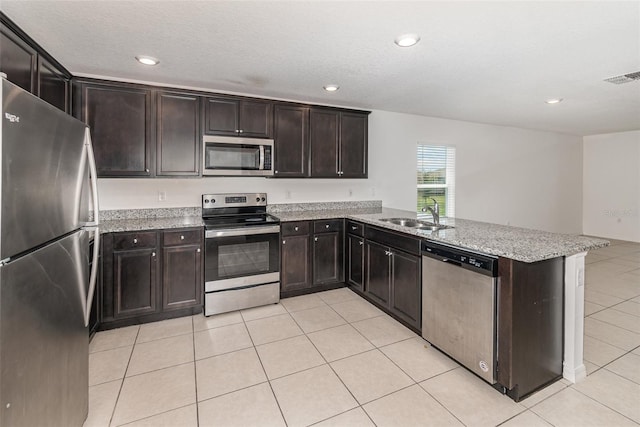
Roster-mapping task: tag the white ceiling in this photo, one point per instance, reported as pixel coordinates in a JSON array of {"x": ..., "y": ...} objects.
[{"x": 488, "y": 62}]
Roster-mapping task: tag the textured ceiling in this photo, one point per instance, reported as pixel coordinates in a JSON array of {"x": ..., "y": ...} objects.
[{"x": 488, "y": 62}]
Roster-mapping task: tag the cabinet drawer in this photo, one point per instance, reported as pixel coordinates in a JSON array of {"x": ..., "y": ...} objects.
[
  {"x": 137, "y": 240},
  {"x": 394, "y": 240},
  {"x": 355, "y": 228},
  {"x": 327, "y": 225},
  {"x": 294, "y": 228},
  {"x": 182, "y": 237}
]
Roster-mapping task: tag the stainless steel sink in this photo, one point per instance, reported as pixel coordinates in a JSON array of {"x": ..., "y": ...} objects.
[{"x": 416, "y": 223}]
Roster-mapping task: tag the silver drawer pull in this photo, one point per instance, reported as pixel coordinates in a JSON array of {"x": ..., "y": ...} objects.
[
  {"x": 315, "y": 239},
  {"x": 198, "y": 250},
  {"x": 153, "y": 254},
  {"x": 295, "y": 228},
  {"x": 326, "y": 226},
  {"x": 361, "y": 243},
  {"x": 181, "y": 237},
  {"x": 353, "y": 227},
  {"x": 284, "y": 242},
  {"x": 135, "y": 241}
]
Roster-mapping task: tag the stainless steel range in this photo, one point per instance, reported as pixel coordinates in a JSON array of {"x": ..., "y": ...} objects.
[{"x": 242, "y": 252}]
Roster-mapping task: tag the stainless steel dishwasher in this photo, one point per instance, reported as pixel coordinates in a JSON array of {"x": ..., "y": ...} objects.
[{"x": 459, "y": 306}]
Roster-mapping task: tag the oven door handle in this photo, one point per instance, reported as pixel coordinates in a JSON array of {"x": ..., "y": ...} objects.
[{"x": 247, "y": 231}]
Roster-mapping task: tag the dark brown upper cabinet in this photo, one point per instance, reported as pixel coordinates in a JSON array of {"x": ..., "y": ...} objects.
[
  {"x": 53, "y": 86},
  {"x": 120, "y": 118},
  {"x": 29, "y": 66},
  {"x": 291, "y": 141},
  {"x": 178, "y": 134},
  {"x": 339, "y": 143},
  {"x": 230, "y": 116},
  {"x": 18, "y": 60}
]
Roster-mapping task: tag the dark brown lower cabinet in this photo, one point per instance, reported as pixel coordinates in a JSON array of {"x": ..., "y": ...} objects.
[
  {"x": 312, "y": 256},
  {"x": 151, "y": 275},
  {"x": 530, "y": 324},
  {"x": 393, "y": 278},
  {"x": 355, "y": 262}
]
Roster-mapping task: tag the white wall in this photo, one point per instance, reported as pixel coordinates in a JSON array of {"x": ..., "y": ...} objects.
[
  {"x": 611, "y": 180},
  {"x": 504, "y": 175}
]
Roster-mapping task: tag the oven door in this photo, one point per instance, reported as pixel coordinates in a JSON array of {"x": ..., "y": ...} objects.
[
  {"x": 236, "y": 156},
  {"x": 241, "y": 257}
]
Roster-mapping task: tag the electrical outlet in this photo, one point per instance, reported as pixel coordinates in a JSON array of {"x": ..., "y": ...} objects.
[{"x": 162, "y": 196}]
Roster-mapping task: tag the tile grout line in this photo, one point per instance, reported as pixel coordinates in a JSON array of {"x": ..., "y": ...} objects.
[{"x": 113, "y": 412}]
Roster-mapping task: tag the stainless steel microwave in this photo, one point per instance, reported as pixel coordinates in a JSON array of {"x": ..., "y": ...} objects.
[{"x": 230, "y": 156}]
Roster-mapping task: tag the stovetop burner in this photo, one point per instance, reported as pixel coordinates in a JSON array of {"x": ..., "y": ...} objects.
[{"x": 236, "y": 210}]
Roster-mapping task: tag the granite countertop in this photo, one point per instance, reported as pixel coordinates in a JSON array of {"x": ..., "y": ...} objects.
[
  {"x": 520, "y": 244},
  {"x": 138, "y": 224}
]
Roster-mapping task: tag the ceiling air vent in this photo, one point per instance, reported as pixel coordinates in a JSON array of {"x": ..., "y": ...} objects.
[{"x": 625, "y": 78}]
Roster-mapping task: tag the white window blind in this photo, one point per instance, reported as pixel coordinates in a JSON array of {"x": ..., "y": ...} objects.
[{"x": 437, "y": 178}]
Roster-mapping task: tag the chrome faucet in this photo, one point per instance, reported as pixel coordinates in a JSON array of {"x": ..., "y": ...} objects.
[{"x": 435, "y": 211}]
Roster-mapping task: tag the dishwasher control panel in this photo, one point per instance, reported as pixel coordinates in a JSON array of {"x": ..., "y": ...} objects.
[{"x": 482, "y": 263}]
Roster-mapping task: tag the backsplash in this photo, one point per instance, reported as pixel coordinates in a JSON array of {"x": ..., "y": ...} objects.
[
  {"x": 317, "y": 206},
  {"x": 108, "y": 215}
]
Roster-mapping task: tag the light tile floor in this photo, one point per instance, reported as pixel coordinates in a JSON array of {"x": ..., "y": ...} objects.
[{"x": 332, "y": 359}]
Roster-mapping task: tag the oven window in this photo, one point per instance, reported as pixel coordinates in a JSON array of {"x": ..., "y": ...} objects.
[
  {"x": 243, "y": 259},
  {"x": 227, "y": 156}
]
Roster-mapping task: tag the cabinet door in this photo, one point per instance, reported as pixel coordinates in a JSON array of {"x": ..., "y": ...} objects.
[
  {"x": 353, "y": 145},
  {"x": 221, "y": 116},
  {"x": 181, "y": 277},
  {"x": 327, "y": 258},
  {"x": 406, "y": 287},
  {"x": 135, "y": 282},
  {"x": 18, "y": 60},
  {"x": 323, "y": 139},
  {"x": 291, "y": 141},
  {"x": 53, "y": 85},
  {"x": 295, "y": 271},
  {"x": 378, "y": 267},
  {"x": 178, "y": 134},
  {"x": 120, "y": 122},
  {"x": 355, "y": 261},
  {"x": 256, "y": 119}
]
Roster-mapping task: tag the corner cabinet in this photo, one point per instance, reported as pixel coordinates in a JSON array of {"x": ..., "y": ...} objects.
[
  {"x": 339, "y": 143},
  {"x": 230, "y": 116},
  {"x": 29, "y": 66},
  {"x": 151, "y": 275}
]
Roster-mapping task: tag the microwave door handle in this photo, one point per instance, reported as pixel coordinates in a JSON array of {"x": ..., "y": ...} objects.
[{"x": 261, "y": 166}]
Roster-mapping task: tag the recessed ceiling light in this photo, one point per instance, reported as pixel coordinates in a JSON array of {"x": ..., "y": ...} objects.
[
  {"x": 331, "y": 88},
  {"x": 407, "y": 40},
  {"x": 553, "y": 101},
  {"x": 147, "y": 60}
]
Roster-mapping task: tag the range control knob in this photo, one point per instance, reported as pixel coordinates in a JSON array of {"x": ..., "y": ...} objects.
[
  {"x": 263, "y": 199},
  {"x": 257, "y": 199},
  {"x": 206, "y": 200},
  {"x": 213, "y": 200}
]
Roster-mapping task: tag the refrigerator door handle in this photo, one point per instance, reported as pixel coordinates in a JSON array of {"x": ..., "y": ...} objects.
[
  {"x": 94, "y": 176},
  {"x": 93, "y": 276}
]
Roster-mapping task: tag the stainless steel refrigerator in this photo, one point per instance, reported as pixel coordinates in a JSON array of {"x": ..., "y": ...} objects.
[{"x": 47, "y": 189}]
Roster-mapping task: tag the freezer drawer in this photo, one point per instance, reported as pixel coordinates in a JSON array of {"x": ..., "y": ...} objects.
[
  {"x": 459, "y": 315},
  {"x": 45, "y": 344}
]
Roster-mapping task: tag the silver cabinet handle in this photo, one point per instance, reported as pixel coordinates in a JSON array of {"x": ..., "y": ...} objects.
[
  {"x": 146, "y": 170},
  {"x": 135, "y": 241},
  {"x": 295, "y": 228},
  {"x": 181, "y": 237},
  {"x": 198, "y": 250},
  {"x": 326, "y": 226},
  {"x": 237, "y": 130},
  {"x": 284, "y": 242},
  {"x": 315, "y": 239},
  {"x": 275, "y": 171},
  {"x": 388, "y": 253},
  {"x": 240, "y": 131},
  {"x": 353, "y": 227},
  {"x": 361, "y": 243},
  {"x": 153, "y": 254}
]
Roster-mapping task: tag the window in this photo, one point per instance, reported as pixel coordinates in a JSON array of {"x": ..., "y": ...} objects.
[{"x": 436, "y": 178}]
